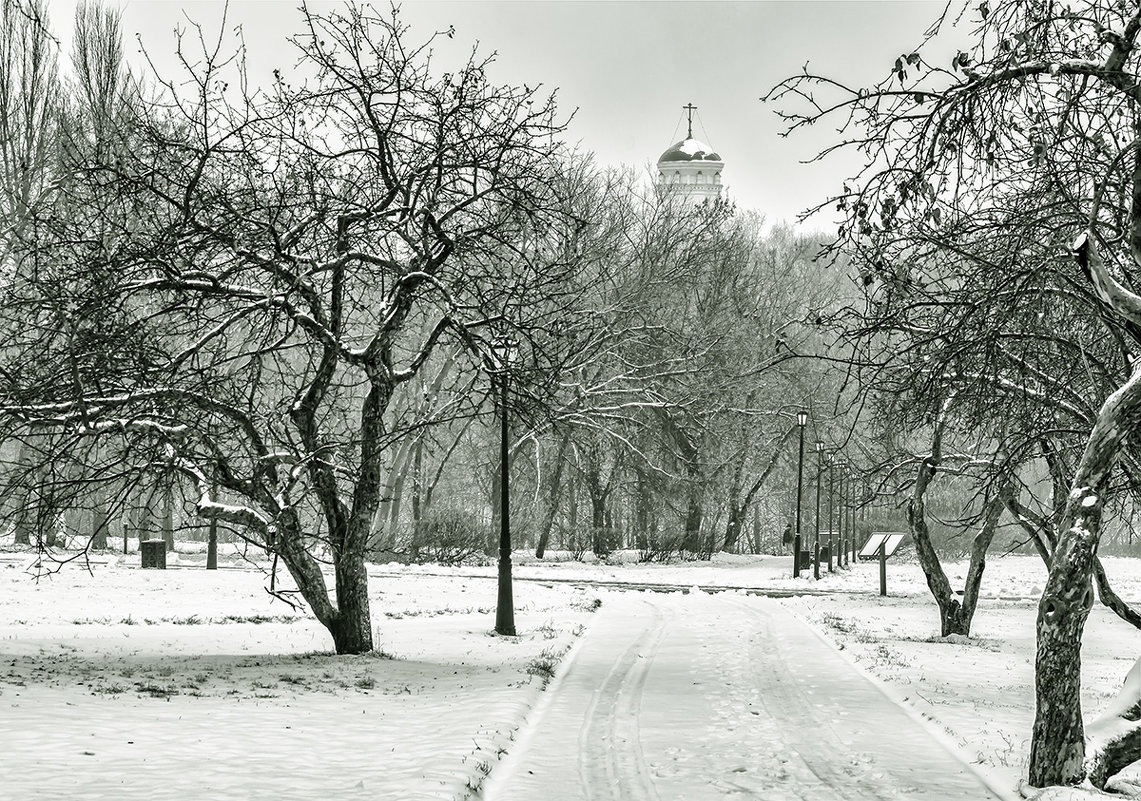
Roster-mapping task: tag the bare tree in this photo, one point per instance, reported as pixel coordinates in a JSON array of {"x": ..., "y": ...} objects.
[
  {"x": 295, "y": 257},
  {"x": 979, "y": 176}
]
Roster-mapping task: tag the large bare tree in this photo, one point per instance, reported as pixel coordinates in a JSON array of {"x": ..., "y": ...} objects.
[
  {"x": 980, "y": 175},
  {"x": 293, "y": 257}
]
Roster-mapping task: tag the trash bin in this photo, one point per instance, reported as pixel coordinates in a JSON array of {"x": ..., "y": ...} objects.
[
  {"x": 805, "y": 560},
  {"x": 153, "y": 553}
]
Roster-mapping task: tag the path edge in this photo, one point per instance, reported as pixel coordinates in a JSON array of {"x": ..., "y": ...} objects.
[{"x": 896, "y": 697}]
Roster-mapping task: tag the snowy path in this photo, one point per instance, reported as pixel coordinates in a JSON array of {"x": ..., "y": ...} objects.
[{"x": 701, "y": 696}]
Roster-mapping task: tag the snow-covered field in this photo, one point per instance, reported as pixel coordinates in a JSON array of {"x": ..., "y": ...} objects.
[
  {"x": 979, "y": 693},
  {"x": 129, "y": 684}
]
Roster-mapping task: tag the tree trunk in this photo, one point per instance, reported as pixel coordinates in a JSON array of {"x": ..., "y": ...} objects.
[
  {"x": 979, "y": 547},
  {"x": 572, "y": 507},
  {"x": 739, "y": 508},
  {"x": 100, "y": 519},
  {"x": 736, "y": 509},
  {"x": 168, "y": 513},
  {"x": 552, "y": 500},
  {"x": 645, "y": 524},
  {"x": 955, "y": 616},
  {"x": 694, "y": 515},
  {"x": 950, "y": 610},
  {"x": 382, "y": 534},
  {"x": 23, "y": 530},
  {"x": 417, "y": 499},
  {"x": 733, "y": 527},
  {"x": 1057, "y": 747},
  {"x": 600, "y": 543},
  {"x": 694, "y": 506},
  {"x": 351, "y": 627}
]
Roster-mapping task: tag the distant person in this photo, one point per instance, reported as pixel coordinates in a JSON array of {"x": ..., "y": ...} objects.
[{"x": 787, "y": 538}]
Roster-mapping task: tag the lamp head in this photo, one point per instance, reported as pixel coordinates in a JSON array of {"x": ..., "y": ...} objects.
[
  {"x": 502, "y": 353},
  {"x": 802, "y": 418}
]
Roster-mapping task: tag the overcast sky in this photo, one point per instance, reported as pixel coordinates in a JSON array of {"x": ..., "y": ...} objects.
[{"x": 629, "y": 67}]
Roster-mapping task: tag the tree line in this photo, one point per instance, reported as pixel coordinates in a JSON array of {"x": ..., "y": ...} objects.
[{"x": 271, "y": 312}]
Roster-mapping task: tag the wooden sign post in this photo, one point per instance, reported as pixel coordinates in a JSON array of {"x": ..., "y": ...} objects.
[{"x": 881, "y": 545}]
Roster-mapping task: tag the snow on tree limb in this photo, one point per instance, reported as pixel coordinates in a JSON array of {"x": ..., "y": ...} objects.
[
  {"x": 210, "y": 508},
  {"x": 1113, "y": 739},
  {"x": 1109, "y": 290}
]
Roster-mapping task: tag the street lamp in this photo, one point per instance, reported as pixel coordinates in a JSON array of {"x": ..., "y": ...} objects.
[
  {"x": 801, "y": 422},
  {"x": 816, "y": 545},
  {"x": 832, "y": 505},
  {"x": 503, "y": 353},
  {"x": 841, "y": 465},
  {"x": 853, "y": 536}
]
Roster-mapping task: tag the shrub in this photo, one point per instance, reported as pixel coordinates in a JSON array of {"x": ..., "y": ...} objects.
[{"x": 448, "y": 537}]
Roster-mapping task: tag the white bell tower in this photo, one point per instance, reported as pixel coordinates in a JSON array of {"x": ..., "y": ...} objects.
[{"x": 690, "y": 168}]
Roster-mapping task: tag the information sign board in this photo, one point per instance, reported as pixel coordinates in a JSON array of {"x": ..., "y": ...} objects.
[
  {"x": 891, "y": 543},
  {"x": 872, "y": 546}
]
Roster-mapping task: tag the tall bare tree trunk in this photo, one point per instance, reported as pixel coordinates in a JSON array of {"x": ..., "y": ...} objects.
[
  {"x": 167, "y": 508},
  {"x": 100, "y": 518},
  {"x": 552, "y": 499},
  {"x": 955, "y": 616},
  {"x": 1058, "y": 747}
]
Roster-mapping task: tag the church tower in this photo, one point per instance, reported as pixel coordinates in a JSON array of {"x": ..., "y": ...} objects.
[{"x": 690, "y": 168}]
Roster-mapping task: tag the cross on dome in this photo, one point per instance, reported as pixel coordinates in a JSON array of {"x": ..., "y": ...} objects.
[{"x": 690, "y": 108}]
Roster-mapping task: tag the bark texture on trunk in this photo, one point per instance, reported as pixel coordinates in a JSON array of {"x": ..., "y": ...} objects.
[
  {"x": 552, "y": 499},
  {"x": 1057, "y": 747},
  {"x": 351, "y": 626}
]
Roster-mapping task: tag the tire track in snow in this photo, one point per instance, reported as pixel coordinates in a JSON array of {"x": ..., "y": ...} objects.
[
  {"x": 612, "y": 765},
  {"x": 694, "y": 697},
  {"x": 803, "y": 714}
]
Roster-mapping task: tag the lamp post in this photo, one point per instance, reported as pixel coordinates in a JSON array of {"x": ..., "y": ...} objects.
[
  {"x": 801, "y": 422},
  {"x": 502, "y": 354},
  {"x": 831, "y": 497},
  {"x": 852, "y": 505},
  {"x": 819, "y": 451},
  {"x": 816, "y": 545},
  {"x": 849, "y": 518},
  {"x": 840, "y": 521}
]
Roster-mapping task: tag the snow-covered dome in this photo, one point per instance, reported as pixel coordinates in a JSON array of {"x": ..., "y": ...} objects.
[
  {"x": 689, "y": 150},
  {"x": 690, "y": 168}
]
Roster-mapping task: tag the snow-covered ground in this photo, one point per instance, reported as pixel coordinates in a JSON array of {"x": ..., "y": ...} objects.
[
  {"x": 131, "y": 684},
  {"x": 676, "y": 697},
  {"x": 978, "y": 692}
]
